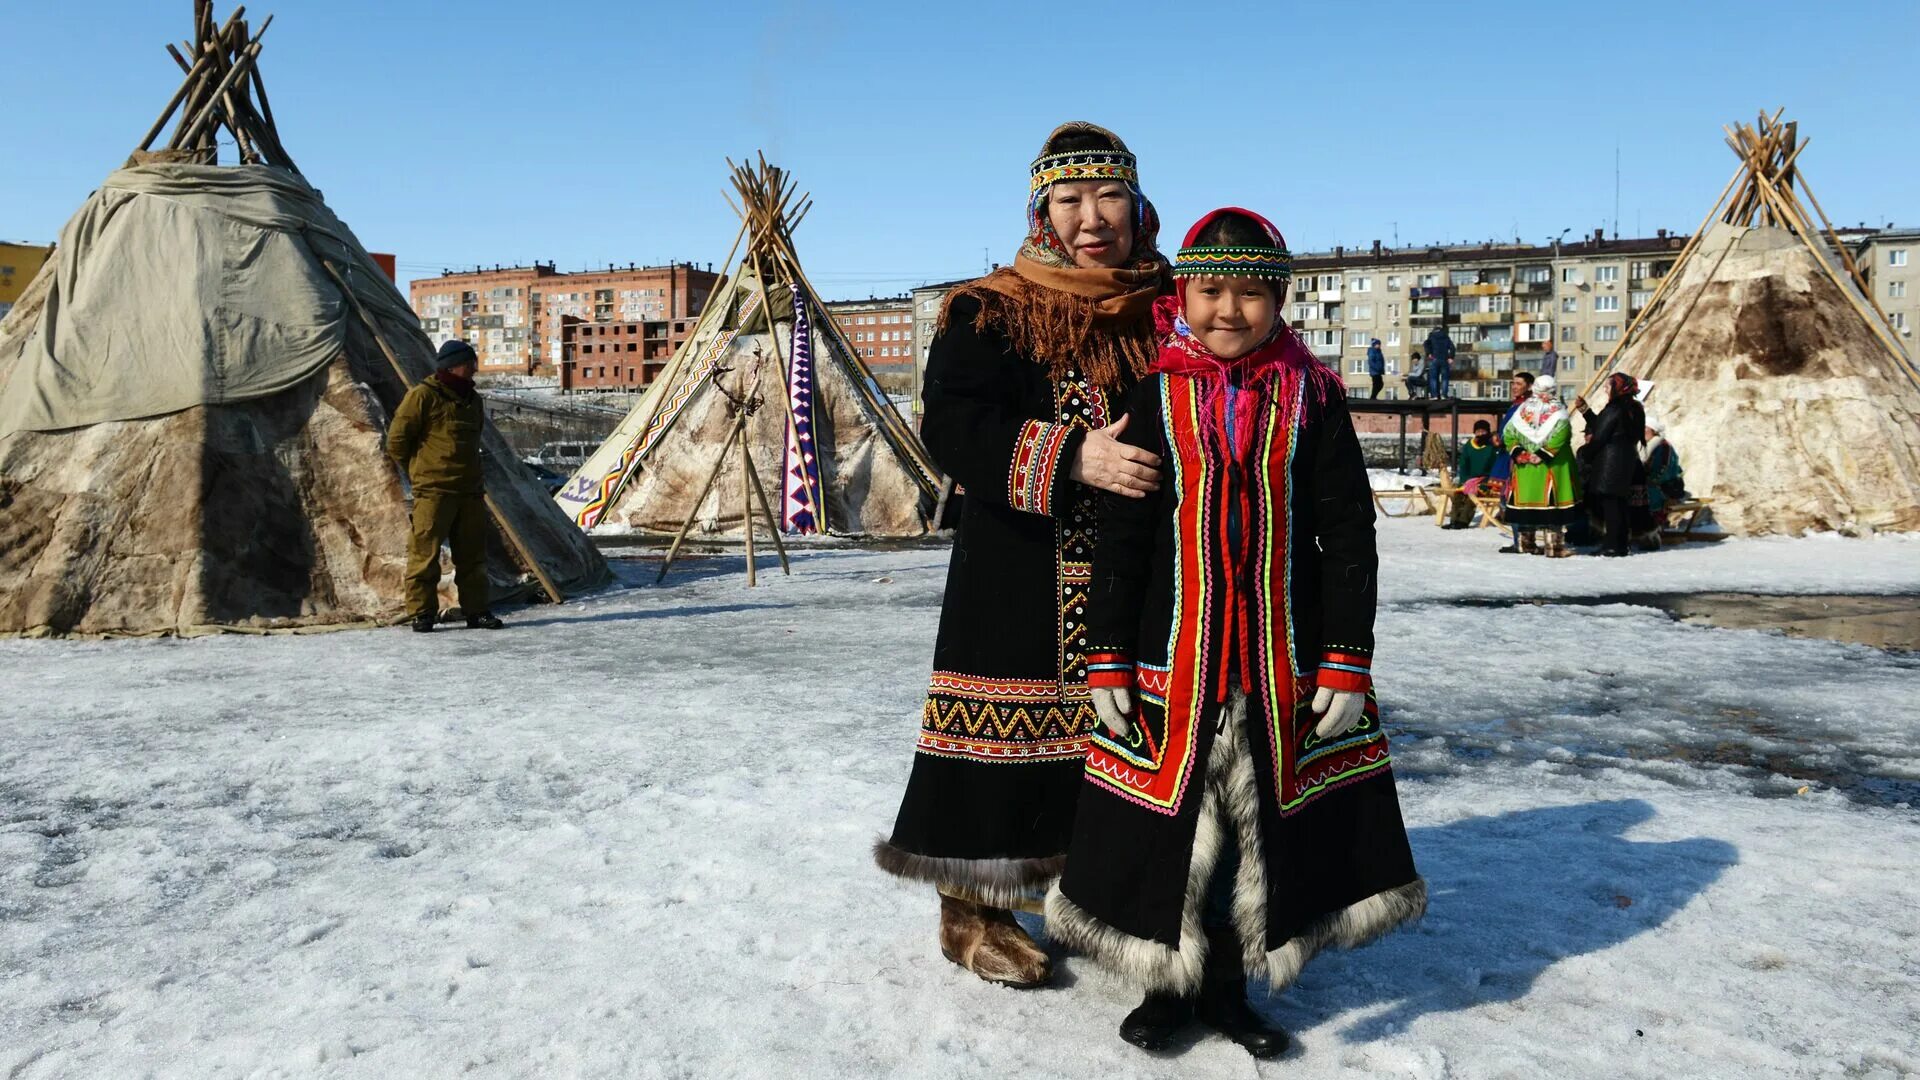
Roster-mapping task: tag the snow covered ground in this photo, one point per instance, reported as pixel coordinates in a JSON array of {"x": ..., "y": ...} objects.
[{"x": 628, "y": 837}]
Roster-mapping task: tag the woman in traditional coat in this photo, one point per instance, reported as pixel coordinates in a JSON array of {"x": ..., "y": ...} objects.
[
  {"x": 1544, "y": 496},
  {"x": 1022, "y": 387},
  {"x": 1616, "y": 433},
  {"x": 1239, "y": 811}
]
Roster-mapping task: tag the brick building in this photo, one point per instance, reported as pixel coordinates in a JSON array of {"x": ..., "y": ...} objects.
[
  {"x": 515, "y": 316},
  {"x": 614, "y": 355},
  {"x": 880, "y": 329}
]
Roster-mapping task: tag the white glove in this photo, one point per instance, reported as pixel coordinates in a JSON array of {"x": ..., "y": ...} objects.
[
  {"x": 1344, "y": 710},
  {"x": 1113, "y": 704}
]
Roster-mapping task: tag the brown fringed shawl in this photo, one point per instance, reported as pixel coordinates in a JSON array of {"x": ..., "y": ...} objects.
[{"x": 1097, "y": 322}]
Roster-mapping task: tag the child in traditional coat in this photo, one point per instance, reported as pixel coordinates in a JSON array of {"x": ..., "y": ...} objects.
[{"x": 1239, "y": 811}]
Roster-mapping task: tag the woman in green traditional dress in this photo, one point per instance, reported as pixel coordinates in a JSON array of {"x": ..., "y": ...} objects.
[{"x": 1545, "y": 495}]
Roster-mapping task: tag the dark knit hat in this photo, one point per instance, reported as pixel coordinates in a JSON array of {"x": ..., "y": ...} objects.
[{"x": 455, "y": 353}]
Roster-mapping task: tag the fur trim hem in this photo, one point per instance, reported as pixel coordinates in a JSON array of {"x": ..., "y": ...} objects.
[
  {"x": 1230, "y": 799},
  {"x": 1348, "y": 928},
  {"x": 1003, "y": 883}
]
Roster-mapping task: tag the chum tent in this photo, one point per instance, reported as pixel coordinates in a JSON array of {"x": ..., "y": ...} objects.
[
  {"x": 1780, "y": 382},
  {"x": 194, "y": 393},
  {"x": 834, "y": 454}
]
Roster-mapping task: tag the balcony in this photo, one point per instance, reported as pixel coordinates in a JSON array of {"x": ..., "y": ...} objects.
[
  {"x": 1493, "y": 346},
  {"x": 1305, "y": 296},
  {"x": 1433, "y": 319},
  {"x": 1533, "y": 288},
  {"x": 1326, "y": 352},
  {"x": 1425, "y": 292},
  {"x": 1486, "y": 318},
  {"x": 1482, "y": 290},
  {"x": 1329, "y": 296}
]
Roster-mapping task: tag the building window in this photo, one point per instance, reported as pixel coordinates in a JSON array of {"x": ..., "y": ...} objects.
[
  {"x": 1393, "y": 311},
  {"x": 1899, "y": 320},
  {"x": 1606, "y": 333},
  {"x": 1393, "y": 282},
  {"x": 1330, "y": 282},
  {"x": 1606, "y": 303},
  {"x": 1639, "y": 298},
  {"x": 1457, "y": 278},
  {"x": 1429, "y": 281},
  {"x": 1897, "y": 257},
  {"x": 1896, "y": 289},
  {"x": 1536, "y": 275},
  {"x": 1358, "y": 338},
  {"x": 1393, "y": 340},
  {"x": 1306, "y": 311},
  {"x": 1361, "y": 284},
  {"x": 1569, "y": 275},
  {"x": 1570, "y": 305},
  {"x": 1567, "y": 334},
  {"x": 1361, "y": 311},
  {"x": 1606, "y": 274}
]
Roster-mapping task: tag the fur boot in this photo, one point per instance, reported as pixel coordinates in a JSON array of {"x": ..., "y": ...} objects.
[
  {"x": 988, "y": 942},
  {"x": 1528, "y": 542}
]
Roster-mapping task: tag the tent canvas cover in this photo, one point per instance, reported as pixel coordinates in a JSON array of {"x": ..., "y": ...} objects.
[
  {"x": 835, "y": 453},
  {"x": 1778, "y": 382},
  {"x": 194, "y": 393}
]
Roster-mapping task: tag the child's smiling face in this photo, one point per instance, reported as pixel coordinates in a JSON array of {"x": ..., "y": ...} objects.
[{"x": 1230, "y": 315}]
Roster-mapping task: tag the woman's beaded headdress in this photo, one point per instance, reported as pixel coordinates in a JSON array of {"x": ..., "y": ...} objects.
[{"x": 1117, "y": 164}]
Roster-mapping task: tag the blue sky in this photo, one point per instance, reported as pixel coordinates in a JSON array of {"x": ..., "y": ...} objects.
[{"x": 492, "y": 131}]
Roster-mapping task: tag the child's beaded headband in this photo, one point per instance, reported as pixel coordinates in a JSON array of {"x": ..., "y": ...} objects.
[{"x": 1261, "y": 262}]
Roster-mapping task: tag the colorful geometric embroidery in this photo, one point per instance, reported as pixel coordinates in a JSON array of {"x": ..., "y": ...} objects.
[
  {"x": 1077, "y": 404},
  {"x": 1106, "y": 669},
  {"x": 1152, "y": 768},
  {"x": 1036, "y": 454},
  {"x": 1050, "y": 169},
  {"x": 1233, "y": 262},
  {"x": 1002, "y": 720},
  {"x": 803, "y": 509}
]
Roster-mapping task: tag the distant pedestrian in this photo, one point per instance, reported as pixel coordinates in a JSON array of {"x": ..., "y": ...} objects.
[
  {"x": 1550, "y": 362},
  {"x": 1666, "y": 480},
  {"x": 435, "y": 439},
  {"x": 1440, "y": 351},
  {"x": 1376, "y": 367}
]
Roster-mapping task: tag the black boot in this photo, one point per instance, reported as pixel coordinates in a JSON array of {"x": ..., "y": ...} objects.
[
  {"x": 1223, "y": 1002},
  {"x": 422, "y": 624},
  {"x": 486, "y": 620},
  {"x": 1158, "y": 1019}
]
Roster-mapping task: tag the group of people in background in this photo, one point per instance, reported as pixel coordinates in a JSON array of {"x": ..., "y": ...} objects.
[
  {"x": 1428, "y": 376},
  {"x": 1616, "y": 485}
]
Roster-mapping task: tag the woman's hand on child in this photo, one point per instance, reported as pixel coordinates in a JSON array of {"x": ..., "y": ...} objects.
[
  {"x": 1104, "y": 462},
  {"x": 1343, "y": 709},
  {"x": 1113, "y": 704}
]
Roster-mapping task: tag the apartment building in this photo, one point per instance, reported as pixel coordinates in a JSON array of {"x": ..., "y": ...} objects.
[
  {"x": 514, "y": 317},
  {"x": 880, "y": 330},
  {"x": 1501, "y": 304},
  {"x": 1890, "y": 258}
]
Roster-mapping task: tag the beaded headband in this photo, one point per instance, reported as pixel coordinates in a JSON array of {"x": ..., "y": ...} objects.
[
  {"x": 1261, "y": 262},
  {"x": 1051, "y": 169}
]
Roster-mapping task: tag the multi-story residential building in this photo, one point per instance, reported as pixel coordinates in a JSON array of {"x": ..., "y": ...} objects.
[
  {"x": 612, "y": 355},
  {"x": 880, "y": 330},
  {"x": 1501, "y": 304},
  {"x": 514, "y": 316},
  {"x": 19, "y": 262},
  {"x": 1890, "y": 258}
]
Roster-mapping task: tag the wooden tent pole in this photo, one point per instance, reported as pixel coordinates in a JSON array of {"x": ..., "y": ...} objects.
[
  {"x": 493, "y": 508},
  {"x": 1853, "y": 268},
  {"x": 173, "y": 104},
  {"x": 241, "y": 62},
  {"x": 766, "y": 510},
  {"x": 746, "y": 502},
  {"x": 673, "y": 550}
]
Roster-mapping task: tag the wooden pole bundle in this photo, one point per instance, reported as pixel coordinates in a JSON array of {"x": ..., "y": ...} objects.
[{"x": 220, "y": 82}]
